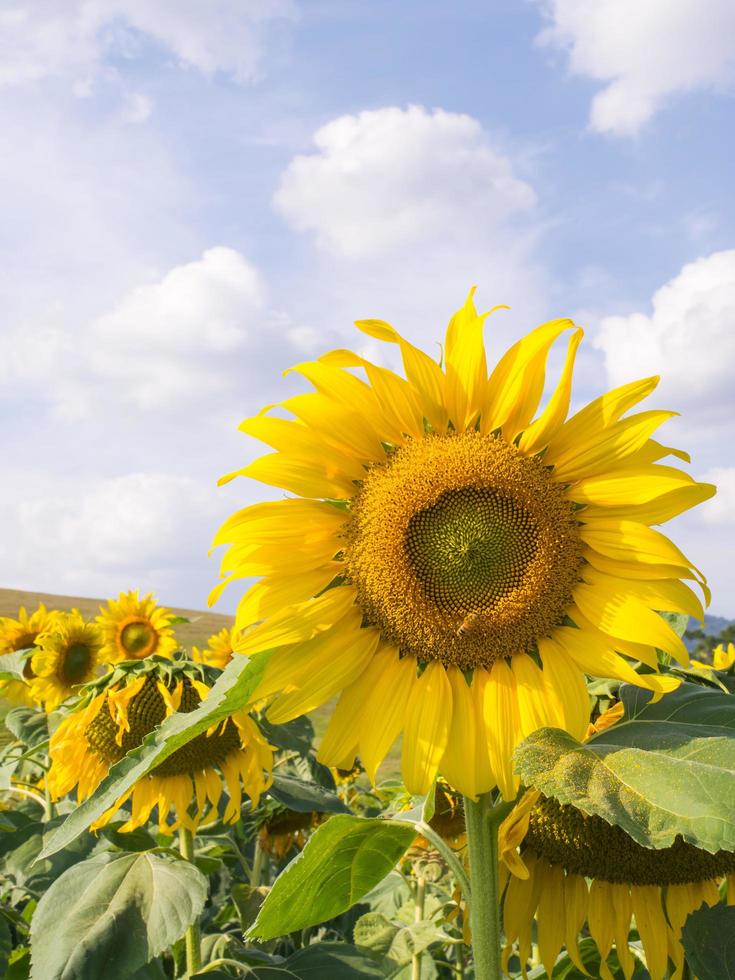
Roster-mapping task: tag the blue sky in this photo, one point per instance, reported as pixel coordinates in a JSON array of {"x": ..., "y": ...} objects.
[{"x": 197, "y": 195}]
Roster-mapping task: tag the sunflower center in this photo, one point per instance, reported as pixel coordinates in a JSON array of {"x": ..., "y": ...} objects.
[
  {"x": 146, "y": 711},
  {"x": 137, "y": 638},
  {"x": 462, "y": 549},
  {"x": 591, "y": 847},
  {"x": 76, "y": 664}
]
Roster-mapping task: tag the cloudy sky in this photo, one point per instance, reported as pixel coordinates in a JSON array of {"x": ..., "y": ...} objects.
[{"x": 196, "y": 195}]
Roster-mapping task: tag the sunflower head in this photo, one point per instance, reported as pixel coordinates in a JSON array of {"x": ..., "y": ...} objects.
[
  {"x": 135, "y": 628},
  {"x": 218, "y": 652},
  {"x": 453, "y": 558},
  {"x": 583, "y": 869},
  {"x": 68, "y": 656},
  {"x": 131, "y": 701},
  {"x": 22, "y": 634},
  {"x": 280, "y": 829}
]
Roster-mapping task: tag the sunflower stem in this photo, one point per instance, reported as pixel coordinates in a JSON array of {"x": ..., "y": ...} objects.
[
  {"x": 192, "y": 937},
  {"x": 256, "y": 873},
  {"x": 483, "y": 820},
  {"x": 418, "y": 917}
]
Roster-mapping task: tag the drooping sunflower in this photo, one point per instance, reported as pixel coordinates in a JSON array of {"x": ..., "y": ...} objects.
[
  {"x": 122, "y": 709},
  {"x": 135, "y": 628},
  {"x": 218, "y": 652},
  {"x": 68, "y": 655},
  {"x": 575, "y": 869},
  {"x": 452, "y": 563},
  {"x": 21, "y": 634}
]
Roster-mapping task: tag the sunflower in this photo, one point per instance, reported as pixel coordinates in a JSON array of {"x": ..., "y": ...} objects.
[
  {"x": 130, "y": 702},
  {"x": 135, "y": 628},
  {"x": 574, "y": 868},
  {"x": 218, "y": 652},
  {"x": 451, "y": 562},
  {"x": 21, "y": 634},
  {"x": 68, "y": 655},
  {"x": 722, "y": 659}
]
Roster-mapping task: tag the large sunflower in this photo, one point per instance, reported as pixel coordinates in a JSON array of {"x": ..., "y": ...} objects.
[
  {"x": 68, "y": 655},
  {"x": 453, "y": 563},
  {"x": 133, "y": 700},
  {"x": 575, "y": 868},
  {"x": 22, "y": 634},
  {"x": 135, "y": 628}
]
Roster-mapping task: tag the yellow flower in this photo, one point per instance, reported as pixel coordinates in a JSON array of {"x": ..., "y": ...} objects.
[
  {"x": 453, "y": 563},
  {"x": 68, "y": 655},
  {"x": 21, "y": 634},
  {"x": 576, "y": 868},
  {"x": 219, "y": 649},
  {"x": 721, "y": 659},
  {"x": 189, "y": 782},
  {"x": 135, "y": 628}
]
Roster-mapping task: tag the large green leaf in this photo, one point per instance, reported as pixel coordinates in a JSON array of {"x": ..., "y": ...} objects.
[
  {"x": 109, "y": 916},
  {"x": 231, "y": 692},
  {"x": 665, "y": 769},
  {"x": 28, "y": 725},
  {"x": 709, "y": 940},
  {"x": 343, "y": 860},
  {"x": 12, "y": 665},
  {"x": 338, "y": 961}
]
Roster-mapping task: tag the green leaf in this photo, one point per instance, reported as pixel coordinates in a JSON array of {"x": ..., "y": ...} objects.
[
  {"x": 28, "y": 725},
  {"x": 12, "y": 665},
  {"x": 666, "y": 769},
  {"x": 342, "y": 861},
  {"x": 294, "y": 736},
  {"x": 338, "y": 961},
  {"x": 677, "y": 621},
  {"x": 231, "y": 692},
  {"x": 709, "y": 941},
  {"x": 178, "y": 620},
  {"x": 375, "y": 931},
  {"x": 6, "y": 945},
  {"x": 305, "y": 797},
  {"x": 110, "y": 915}
]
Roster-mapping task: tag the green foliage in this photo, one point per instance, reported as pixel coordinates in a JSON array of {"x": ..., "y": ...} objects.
[
  {"x": 304, "y": 796},
  {"x": 666, "y": 769},
  {"x": 119, "y": 911},
  {"x": 709, "y": 941},
  {"x": 342, "y": 861}
]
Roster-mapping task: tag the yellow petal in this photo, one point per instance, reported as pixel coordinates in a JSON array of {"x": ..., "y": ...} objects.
[
  {"x": 484, "y": 776},
  {"x": 575, "y": 913},
  {"x": 428, "y": 717},
  {"x": 338, "y": 425},
  {"x": 668, "y": 595},
  {"x": 600, "y": 916},
  {"x": 295, "y": 624},
  {"x": 603, "y": 447},
  {"x": 297, "y": 440},
  {"x": 551, "y": 917},
  {"x": 424, "y": 374},
  {"x": 308, "y": 478},
  {"x": 503, "y": 727},
  {"x": 273, "y": 522},
  {"x": 629, "y": 486},
  {"x": 542, "y": 430},
  {"x": 385, "y": 710},
  {"x": 515, "y": 387},
  {"x": 458, "y": 762},
  {"x": 657, "y": 510},
  {"x": 566, "y": 685},
  {"x": 536, "y": 709},
  {"x": 270, "y": 594},
  {"x": 327, "y": 675},
  {"x": 340, "y": 743},
  {"x": 466, "y": 365},
  {"x": 602, "y": 412},
  {"x": 652, "y": 927},
  {"x": 622, "y": 912}
]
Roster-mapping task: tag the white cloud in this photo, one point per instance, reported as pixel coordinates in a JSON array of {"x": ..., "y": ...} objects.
[
  {"x": 93, "y": 535},
  {"x": 688, "y": 338},
  {"x": 49, "y": 38},
  {"x": 390, "y": 177},
  {"x": 645, "y": 52},
  {"x": 720, "y": 510}
]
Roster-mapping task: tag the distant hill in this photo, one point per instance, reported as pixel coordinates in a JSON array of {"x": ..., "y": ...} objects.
[
  {"x": 713, "y": 626},
  {"x": 195, "y": 633}
]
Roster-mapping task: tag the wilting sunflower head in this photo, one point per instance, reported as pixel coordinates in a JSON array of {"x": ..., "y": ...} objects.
[
  {"x": 127, "y": 704},
  {"x": 562, "y": 849},
  {"x": 218, "y": 652},
  {"x": 279, "y": 828},
  {"x": 22, "y": 634},
  {"x": 452, "y": 558},
  {"x": 135, "y": 628},
  {"x": 68, "y": 656}
]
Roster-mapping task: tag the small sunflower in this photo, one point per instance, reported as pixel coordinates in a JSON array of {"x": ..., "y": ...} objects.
[
  {"x": 218, "y": 652},
  {"x": 135, "y": 628},
  {"x": 452, "y": 563},
  {"x": 575, "y": 868},
  {"x": 280, "y": 829},
  {"x": 68, "y": 655},
  {"x": 722, "y": 659},
  {"x": 131, "y": 701},
  {"x": 21, "y": 634}
]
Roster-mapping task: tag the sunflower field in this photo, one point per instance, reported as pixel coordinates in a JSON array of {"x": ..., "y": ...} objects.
[{"x": 454, "y": 731}]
